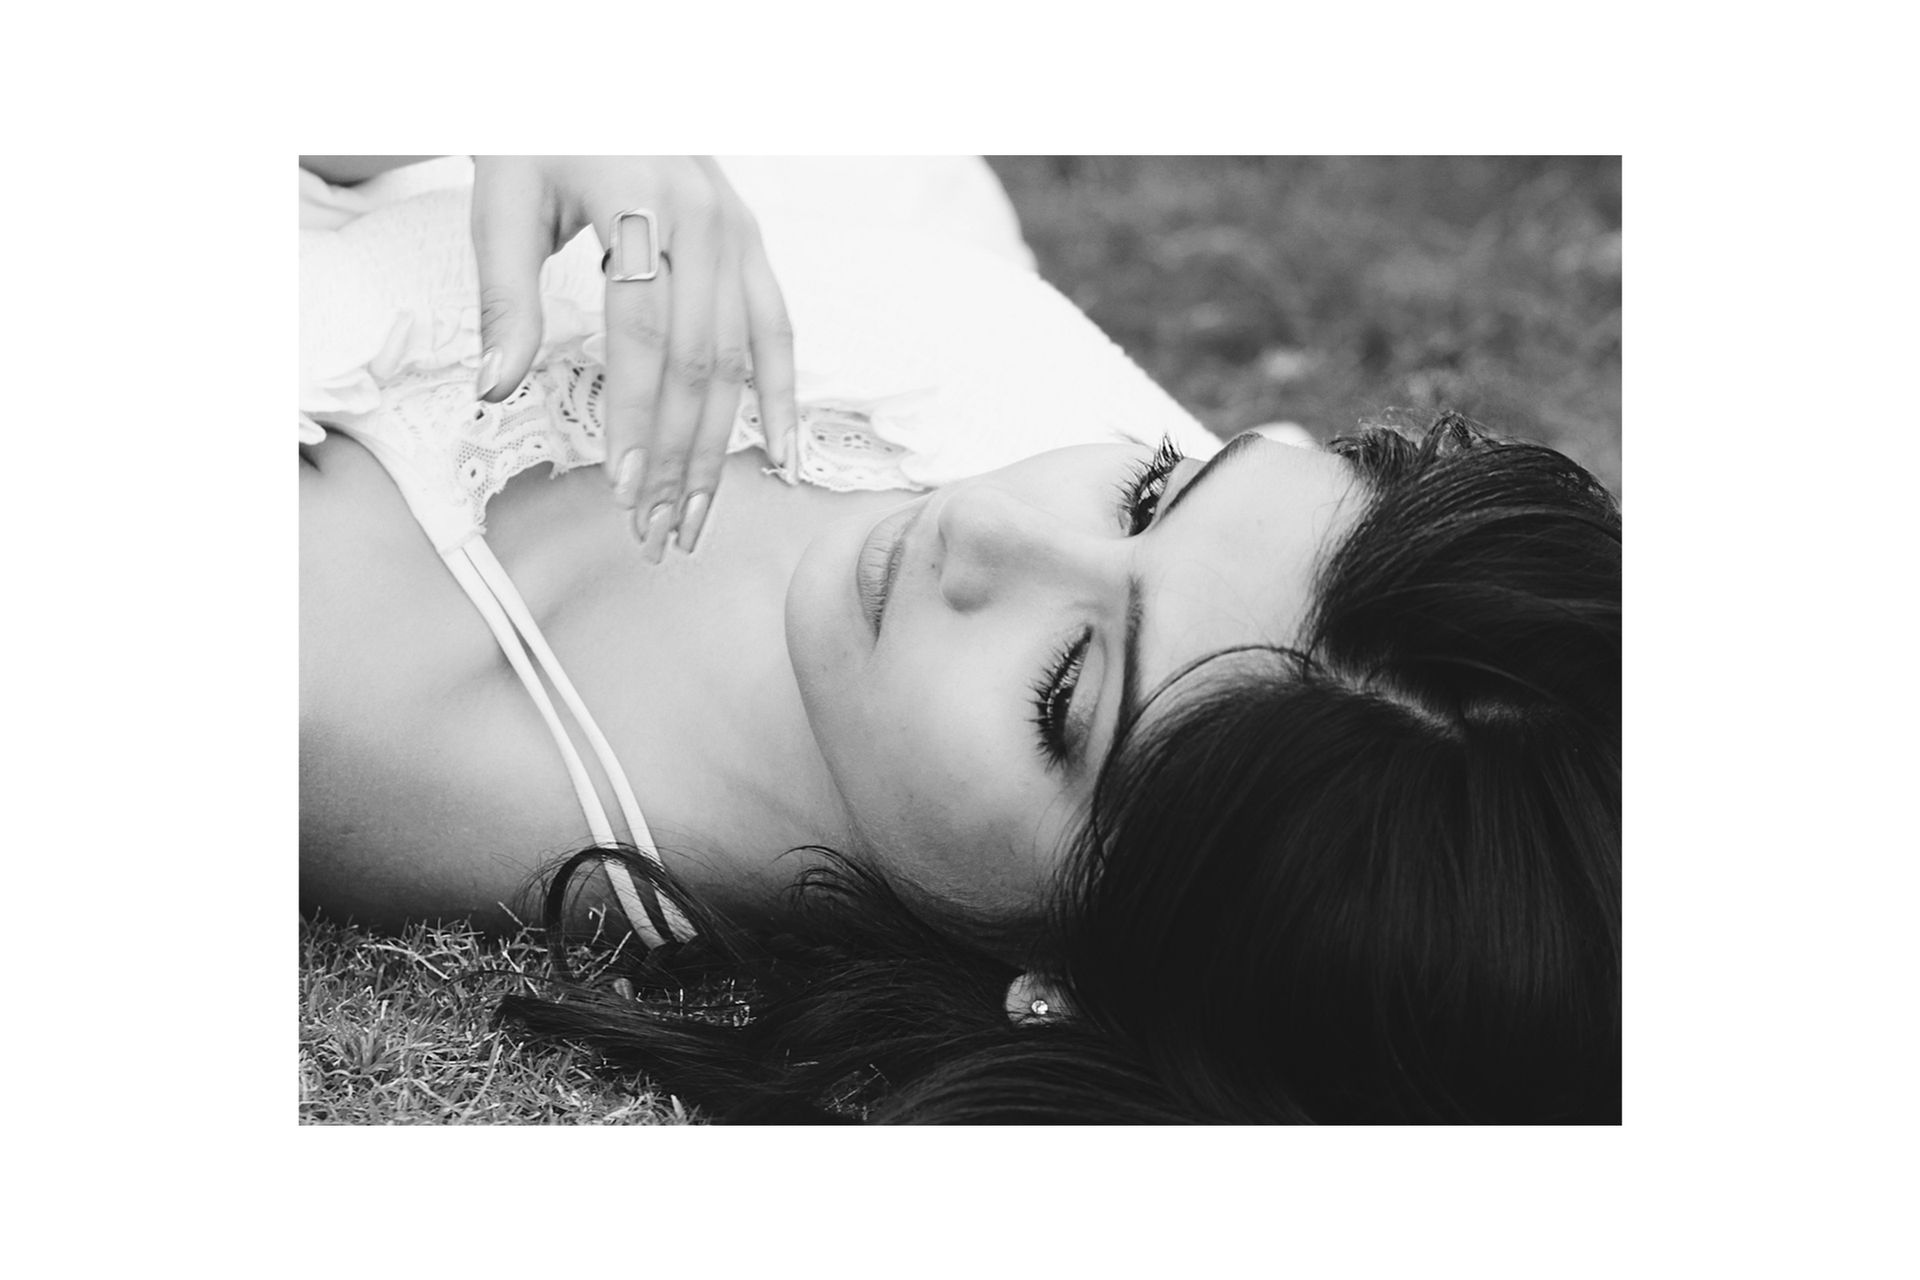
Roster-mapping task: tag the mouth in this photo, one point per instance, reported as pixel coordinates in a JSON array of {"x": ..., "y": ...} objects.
[{"x": 878, "y": 563}]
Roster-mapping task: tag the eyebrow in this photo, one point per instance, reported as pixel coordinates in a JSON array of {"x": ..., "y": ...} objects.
[
  {"x": 1234, "y": 448},
  {"x": 1129, "y": 665},
  {"x": 1130, "y": 660}
]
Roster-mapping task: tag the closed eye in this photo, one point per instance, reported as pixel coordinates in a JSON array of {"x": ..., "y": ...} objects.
[{"x": 1053, "y": 697}]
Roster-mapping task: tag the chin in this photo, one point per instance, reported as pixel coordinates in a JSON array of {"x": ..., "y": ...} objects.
[{"x": 828, "y": 644}]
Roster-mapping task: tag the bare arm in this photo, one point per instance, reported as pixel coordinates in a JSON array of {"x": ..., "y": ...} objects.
[{"x": 344, "y": 171}]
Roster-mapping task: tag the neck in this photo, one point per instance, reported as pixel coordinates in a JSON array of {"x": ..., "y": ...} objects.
[
  {"x": 685, "y": 667},
  {"x": 763, "y": 790}
]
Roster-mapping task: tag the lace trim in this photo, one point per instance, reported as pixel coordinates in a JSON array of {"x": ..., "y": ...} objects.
[
  {"x": 839, "y": 449},
  {"x": 469, "y": 450}
]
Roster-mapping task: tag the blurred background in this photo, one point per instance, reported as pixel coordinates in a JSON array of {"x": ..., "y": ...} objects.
[{"x": 1324, "y": 291}]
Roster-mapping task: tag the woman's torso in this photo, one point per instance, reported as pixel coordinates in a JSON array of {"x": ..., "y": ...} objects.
[{"x": 429, "y": 785}]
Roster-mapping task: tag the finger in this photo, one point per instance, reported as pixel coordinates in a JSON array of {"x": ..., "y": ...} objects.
[
  {"x": 770, "y": 335},
  {"x": 639, "y": 313},
  {"x": 688, "y": 375},
  {"x": 512, "y": 237},
  {"x": 709, "y": 452}
]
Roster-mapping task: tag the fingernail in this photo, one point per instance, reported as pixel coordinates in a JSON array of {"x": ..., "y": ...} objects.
[
  {"x": 627, "y": 477},
  {"x": 654, "y": 540},
  {"x": 781, "y": 450},
  {"x": 692, "y": 516},
  {"x": 489, "y": 372}
]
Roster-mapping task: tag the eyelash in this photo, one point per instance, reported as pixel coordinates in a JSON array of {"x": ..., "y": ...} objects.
[
  {"x": 1052, "y": 694},
  {"x": 1140, "y": 495},
  {"x": 1140, "y": 491}
]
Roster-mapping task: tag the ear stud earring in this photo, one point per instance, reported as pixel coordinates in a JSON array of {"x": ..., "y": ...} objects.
[{"x": 1031, "y": 998}]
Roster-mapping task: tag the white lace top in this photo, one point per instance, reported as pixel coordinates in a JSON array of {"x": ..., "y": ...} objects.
[
  {"x": 920, "y": 358},
  {"x": 451, "y": 453}
]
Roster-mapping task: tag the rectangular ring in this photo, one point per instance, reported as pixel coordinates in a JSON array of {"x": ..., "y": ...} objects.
[{"x": 621, "y": 274}]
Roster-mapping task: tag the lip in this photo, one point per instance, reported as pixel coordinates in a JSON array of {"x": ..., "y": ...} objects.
[{"x": 878, "y": 563}]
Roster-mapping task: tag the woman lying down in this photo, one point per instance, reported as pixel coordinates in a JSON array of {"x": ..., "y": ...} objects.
[{"x": 917, "y": 681}]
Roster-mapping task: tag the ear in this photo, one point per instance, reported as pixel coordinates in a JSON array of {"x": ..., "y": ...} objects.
[{"x": 1033, "y": 997}]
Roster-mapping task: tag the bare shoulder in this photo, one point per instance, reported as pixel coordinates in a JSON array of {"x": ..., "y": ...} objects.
[
  {"x": 381, "y": 620},
  {"x": 396, "y": 673}
]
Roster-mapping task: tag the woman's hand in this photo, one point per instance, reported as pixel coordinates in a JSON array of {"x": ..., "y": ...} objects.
[{"x": 679, "y": 346}]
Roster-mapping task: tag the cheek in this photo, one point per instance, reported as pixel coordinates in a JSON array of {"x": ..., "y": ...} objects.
[
  {"x": 980, "y": 827},
  {"x": 939, "y": 792},
  {"x": 927, "y": 746}
]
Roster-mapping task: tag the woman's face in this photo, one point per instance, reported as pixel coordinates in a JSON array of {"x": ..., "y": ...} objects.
[{"x": 965, "y": 698}]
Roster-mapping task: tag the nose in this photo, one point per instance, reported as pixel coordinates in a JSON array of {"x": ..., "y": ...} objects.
[{"x": 994, "y": 542}]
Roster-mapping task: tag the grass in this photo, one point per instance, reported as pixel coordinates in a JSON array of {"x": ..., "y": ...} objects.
[
  {"x": 1318, "y": 291},
  {"x": 396, "y": 1029},
  {"x": 1324, "y": 290}
]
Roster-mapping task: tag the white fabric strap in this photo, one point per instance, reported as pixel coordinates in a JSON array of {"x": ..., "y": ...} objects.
[
  {"x": 495, "y": 576},
  {"x": 492, "y": 592}
]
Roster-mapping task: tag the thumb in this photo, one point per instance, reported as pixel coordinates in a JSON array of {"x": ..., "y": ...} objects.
[{"x": 510, "y": 243}]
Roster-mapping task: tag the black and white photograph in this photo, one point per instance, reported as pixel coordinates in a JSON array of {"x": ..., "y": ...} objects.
[
  {"x": 1016, "y": 665},
  {"x": 1010, "y": 640}
]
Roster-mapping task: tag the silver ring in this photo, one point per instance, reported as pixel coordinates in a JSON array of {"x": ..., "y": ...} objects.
[
  {"x": 666, "y": 260},
  {"x": 655, "y": 255}
]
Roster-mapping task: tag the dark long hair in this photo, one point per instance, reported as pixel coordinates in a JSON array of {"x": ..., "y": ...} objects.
[{"x": 1373, "y": 877}]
